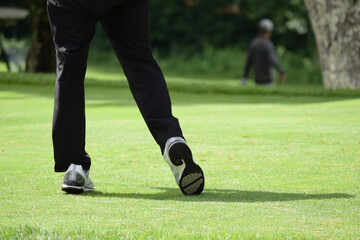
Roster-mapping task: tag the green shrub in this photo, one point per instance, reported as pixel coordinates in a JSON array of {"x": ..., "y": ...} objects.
[{"x": 215, "y": 63}]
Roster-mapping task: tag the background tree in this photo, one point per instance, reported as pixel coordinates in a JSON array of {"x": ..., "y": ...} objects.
[
  {"x": 336, "y": 24},
  {"x": 41, "y": 55}
]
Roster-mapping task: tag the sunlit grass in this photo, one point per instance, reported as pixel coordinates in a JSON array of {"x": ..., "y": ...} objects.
[
  {"x": 276, "y": 166},
  {"x": 3, "y": 67}
]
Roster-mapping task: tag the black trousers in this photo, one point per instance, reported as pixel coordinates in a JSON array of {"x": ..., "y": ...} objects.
[{"x": 126, "y": 24}]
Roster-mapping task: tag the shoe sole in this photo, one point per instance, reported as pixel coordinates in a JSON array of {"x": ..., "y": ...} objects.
[
  {"x": 72, "y": 189},
  {"x": 75, "y": 189},
  {"x": 192, "y": 180}
]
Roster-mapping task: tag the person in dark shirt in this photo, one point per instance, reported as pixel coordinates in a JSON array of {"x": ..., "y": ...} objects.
[{"x": 262, "y": 57}]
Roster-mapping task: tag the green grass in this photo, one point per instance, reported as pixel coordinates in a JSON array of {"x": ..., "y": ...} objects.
[
  {"x": 98, "y": 77},
  {"x": 280, "y": 163}
]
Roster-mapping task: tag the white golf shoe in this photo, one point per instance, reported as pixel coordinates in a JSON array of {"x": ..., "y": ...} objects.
[
  {"x": 76, "y": 180},
  {"x": 188, "y": 175}
]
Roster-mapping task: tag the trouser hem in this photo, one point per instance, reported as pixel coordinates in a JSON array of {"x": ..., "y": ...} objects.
[{"x": 64, "y": 168}]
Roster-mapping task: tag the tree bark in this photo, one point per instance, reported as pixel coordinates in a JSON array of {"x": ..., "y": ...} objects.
[
  {"x": 41, "y": 55},
  {"x": 336, "y": 24}
]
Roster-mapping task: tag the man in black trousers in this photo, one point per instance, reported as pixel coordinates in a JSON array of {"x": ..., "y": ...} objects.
[{"x": 126, "y": 23}]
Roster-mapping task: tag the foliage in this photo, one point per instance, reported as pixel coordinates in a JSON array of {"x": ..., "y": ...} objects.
[
  {"x": 205, "y": 38},
  {"x": 227, "y": 62},
  {"x": 190, "y": 26},
  {"x": 19, "y": 29}
]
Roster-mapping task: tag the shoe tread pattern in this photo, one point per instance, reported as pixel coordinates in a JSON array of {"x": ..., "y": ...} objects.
[{"x": 192, "y": 180}]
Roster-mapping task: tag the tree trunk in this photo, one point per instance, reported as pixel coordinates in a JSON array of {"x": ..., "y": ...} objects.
[
  {"x": 336, "y": 24},
  {"x": 41, "y": 55}
]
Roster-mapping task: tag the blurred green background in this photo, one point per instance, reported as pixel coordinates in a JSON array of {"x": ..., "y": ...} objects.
[{"x": 198, "y": 38}]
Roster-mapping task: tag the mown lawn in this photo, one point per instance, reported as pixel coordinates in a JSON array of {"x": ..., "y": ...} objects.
[{"x": 280, "y": 163}]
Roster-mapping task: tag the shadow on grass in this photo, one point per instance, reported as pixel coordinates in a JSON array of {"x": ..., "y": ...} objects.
[{"x": 221, "y": 195}]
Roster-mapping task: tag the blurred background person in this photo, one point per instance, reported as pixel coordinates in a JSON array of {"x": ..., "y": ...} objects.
[{"x": 262, "y": 57}]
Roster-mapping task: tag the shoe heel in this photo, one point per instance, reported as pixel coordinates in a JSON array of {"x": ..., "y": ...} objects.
[
  {"x": 179, "y": 152},
  {"x": 72, "y": 189}
]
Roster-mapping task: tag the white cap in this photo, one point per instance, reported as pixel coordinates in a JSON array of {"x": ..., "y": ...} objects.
[{"x": 266, "y": 24}]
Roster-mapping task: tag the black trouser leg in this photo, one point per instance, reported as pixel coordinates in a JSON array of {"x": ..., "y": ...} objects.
[
  {"x": 128, "y": 29},
  {"x": 72, "y": 32}
]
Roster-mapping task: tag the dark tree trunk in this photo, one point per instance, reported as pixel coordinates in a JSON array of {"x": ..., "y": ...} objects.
[{"x": 41, "y": 55}]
